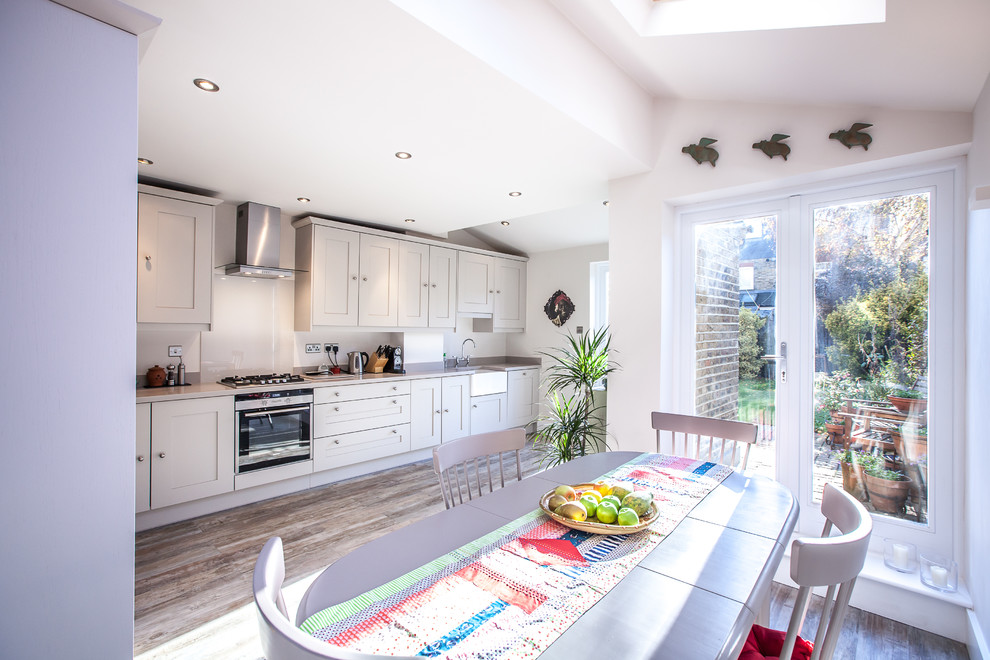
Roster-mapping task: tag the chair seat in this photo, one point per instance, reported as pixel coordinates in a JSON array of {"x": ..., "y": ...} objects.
[{"x": 766, "y": 644}]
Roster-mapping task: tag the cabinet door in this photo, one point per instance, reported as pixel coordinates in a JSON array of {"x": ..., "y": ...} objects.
[
  {"x": 425, "y": 413},
  {"x": 443, "y": 287},
  {"x": 414, "y": 285},
  {"x": 475, "y": 283},
  {"x": 456, "y": 408},
  {"x": 378, "y": 298},
  {"x": 488, "y": 413},
  {"x": 334, "y": 276},
  {"x": 510, "y": 294},
  {"x": 142, "y": 465},
  {"x": 192, "y": 447},
  {"x": 522, "y": 392},
  {"x": 175, "y": 260}
]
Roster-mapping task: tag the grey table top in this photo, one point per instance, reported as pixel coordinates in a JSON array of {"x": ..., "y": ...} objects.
[{"x": 712, "y": 572}]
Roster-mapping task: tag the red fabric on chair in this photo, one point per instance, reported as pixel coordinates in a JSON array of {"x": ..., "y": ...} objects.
[{"x": 766, "y": 644}]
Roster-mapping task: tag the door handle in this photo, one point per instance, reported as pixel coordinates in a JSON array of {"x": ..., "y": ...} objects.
[{"x": 782, "y": 358}]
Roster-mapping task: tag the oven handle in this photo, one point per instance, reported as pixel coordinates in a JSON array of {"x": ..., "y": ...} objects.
[{"x": 274, "y": 411}]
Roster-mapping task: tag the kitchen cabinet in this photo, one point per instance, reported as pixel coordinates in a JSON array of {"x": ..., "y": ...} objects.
[
  {"x": 510, "y": 294},
  {"x": 378, "y": 296},
  {"x": 523, "y": 397},
  {"x": 443, "y": 287},
  {"x": 357, "y": 423},
  {"x": 175, "y": 256},
  {"x": 475, "y": 283},
  {"x": 326, "y": 286},
  {"x": 414, "y": 285},
  {"x": 489, "y": 413},
  {"x": 142, "y": 465},
  {"x": 439, "y": 410},
  {"x": 192, "y": 449}
]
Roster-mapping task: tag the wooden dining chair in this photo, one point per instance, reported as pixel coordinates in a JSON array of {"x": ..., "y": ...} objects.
[
  {"x": 704, "y": 438},
  {"x": 454, "y": 459},
  {"x": 829, "y": 561},
  {"x": 281, "y": 640}
]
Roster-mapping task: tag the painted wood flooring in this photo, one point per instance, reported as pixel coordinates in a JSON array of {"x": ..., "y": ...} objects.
[{"x": 193, "y": 594}]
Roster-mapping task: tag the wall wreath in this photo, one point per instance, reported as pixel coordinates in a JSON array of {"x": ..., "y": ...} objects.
[{"x": 558, "y": 308}]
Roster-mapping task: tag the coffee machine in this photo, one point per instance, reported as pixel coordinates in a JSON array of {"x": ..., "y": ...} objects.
[{"x": 395, "y": 361}]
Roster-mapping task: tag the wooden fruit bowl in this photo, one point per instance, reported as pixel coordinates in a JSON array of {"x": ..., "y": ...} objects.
[{"x": 592, "y": 526}]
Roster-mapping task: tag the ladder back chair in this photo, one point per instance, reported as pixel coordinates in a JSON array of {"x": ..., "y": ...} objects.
[
  {"x": 453, "y": 459},
  {"x": 705, "y": 438}
]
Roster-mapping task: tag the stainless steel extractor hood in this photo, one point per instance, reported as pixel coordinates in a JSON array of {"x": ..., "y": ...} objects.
[{"x": 258, "y": 230}]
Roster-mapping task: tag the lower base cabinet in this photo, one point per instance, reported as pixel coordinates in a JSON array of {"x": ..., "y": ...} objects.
[
  {"x": 192, "y": 449},
  {"x": 489, "y": 413},
  {"x": 142, "y": 466},
  {"x": 523, "y": 391},
  {"x": 440, "y": 410},
  {"x": 349, "y": 448}
]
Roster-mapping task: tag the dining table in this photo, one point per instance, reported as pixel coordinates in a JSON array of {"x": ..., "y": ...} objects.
[{"x": 696, "y": 594}]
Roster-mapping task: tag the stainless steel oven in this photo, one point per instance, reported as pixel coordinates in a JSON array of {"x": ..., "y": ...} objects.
[{"x": 273, "y": 428}]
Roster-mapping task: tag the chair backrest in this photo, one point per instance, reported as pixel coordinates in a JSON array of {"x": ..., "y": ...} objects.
[
  {"x": 832, "y": 561},
  {"x": 281, "y": 640},
  {"x": 453, "y": 459},
  {"x": 705, "y": 438}
]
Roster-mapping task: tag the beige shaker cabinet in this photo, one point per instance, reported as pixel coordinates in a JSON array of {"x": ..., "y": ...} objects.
[
  {"x": 414, "y": 285},
  {"x": 142, "y": 465},
  {"x": 489, "y": 413},
  {"x": 326, "y": 286},
  {"x": 174, "y": 256},
  {"x": 510, "y": 294},
  {"x": 456, "y": 407},
  {"x": 378, "y": 297},
  {"x": 357, "y": 423},
  {"x": 192, "y": 449},
  {"x": 475, "y": 283},
  {"x": 443, "y": 287},
  {"x": 440, "y": 410},
  {"x": 523, "y": 396}
]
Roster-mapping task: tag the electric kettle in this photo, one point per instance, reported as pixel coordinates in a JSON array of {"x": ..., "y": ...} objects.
[{"x": 357, "y": 361}]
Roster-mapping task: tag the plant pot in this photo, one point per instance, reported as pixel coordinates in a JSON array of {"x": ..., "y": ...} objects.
[
  {"x": 835, "y": 433},
  {"x": 917, "y": 406},
  {"x": 909, "y": 447},
  {"x": 852, "y": 480},
  {"x": 886, "y": 495}
]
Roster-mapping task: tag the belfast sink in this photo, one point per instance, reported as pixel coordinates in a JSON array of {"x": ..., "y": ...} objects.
[{"x": 486, "y": 381}]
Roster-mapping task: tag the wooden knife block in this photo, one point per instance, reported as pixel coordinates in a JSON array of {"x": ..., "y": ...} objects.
[{"x": 376, "y": 364}]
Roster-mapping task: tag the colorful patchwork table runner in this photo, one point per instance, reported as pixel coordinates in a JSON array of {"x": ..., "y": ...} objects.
[{"x": 511, "y": 593}]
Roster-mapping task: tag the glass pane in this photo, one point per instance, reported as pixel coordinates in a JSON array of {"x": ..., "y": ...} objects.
[
  {"x": 735, "y": 325},
  {"x": 871, "y": 353}
]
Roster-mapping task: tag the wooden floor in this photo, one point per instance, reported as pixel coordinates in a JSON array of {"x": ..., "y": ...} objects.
[{"x": 193, "y": 579}]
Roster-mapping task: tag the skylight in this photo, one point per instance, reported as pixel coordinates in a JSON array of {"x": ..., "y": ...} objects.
[{"x": 676, "y": 17}]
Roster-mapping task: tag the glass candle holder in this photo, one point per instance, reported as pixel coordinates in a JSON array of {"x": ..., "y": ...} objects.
[
  {"x": 939, "y": 573},
  {"x": 899, "y": 555}
]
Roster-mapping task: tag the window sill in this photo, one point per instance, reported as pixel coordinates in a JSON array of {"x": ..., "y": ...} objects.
[{"x": 876, "y": 571}]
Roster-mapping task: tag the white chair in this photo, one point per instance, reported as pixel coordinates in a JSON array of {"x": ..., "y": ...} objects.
[
  {"x": 279, "y": 638},
  {"x": 454, "y": 458},
  {"x": 832, "y": 561},
  {"x": 705, "y": 438}
]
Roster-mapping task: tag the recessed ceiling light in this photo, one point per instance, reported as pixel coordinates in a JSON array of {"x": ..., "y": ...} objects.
[
  {"x": 304, "y": 200},
  {"x": 206, "y": 85},
  {"x": 403, "y": 155},
  {"x": 145, "y": 161},
  {"x": 410, "y": 220},
  {"x": 505, "y": 223},
  {"x": 515, "y": 194}
]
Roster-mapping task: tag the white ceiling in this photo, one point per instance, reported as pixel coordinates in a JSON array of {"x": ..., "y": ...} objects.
[{"x": 318, "y": 95}]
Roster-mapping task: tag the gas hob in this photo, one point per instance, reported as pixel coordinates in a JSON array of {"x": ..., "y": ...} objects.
[{"x": 260, "y": 379}]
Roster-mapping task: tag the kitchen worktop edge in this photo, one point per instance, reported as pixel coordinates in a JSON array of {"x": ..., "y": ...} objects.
[{"x": 204, "y": 390}]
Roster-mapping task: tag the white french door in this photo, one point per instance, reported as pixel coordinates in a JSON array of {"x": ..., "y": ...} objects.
[{"x": 803, "y": 312}]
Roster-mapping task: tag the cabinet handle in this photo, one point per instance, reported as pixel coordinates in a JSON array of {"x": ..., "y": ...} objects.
[
  {"x": 426, "y": 284},
  {"x": 364, "y": 279},
  {"x": 395, "y": 430},
  {"x": 475, "y": 406},
  {"x": 336, "y": 393},
  {"x": 498, "y": 291},
  {"x": 354, "y": 277},
  {"x": 395, "y": 388},
  {"x": 434, "y": 285},
  {"x": 490, "y": 291},
  {"x": 436, "y": 412},
  {"x": 336, "y": 442},
  {"x": 161, "y": 455},
  {"x": 446, "y": 410},
  {"x": 147, "y": 257},
  {"x": 336, "y": 408},
  {"x": 394, "y": 402},
  {"x": 141, "y": 458}
]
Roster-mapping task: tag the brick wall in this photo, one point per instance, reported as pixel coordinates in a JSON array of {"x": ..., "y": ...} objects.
[{"x": 717, "y": 318}]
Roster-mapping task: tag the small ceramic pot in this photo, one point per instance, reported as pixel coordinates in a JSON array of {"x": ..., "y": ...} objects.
[{"x": 156, "y": 376}]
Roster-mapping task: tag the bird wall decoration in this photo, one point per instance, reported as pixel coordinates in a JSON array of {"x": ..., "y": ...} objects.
[
  {"x": 701, "y": 152},
  {"x": 854, "y": 137},
  {"x": 774, "y": 146}
]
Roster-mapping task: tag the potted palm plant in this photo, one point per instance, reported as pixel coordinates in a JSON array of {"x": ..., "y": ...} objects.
[{"x": 574, "y": 424}]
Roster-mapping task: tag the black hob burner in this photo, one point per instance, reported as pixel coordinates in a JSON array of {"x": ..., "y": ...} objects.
[{"x": 260, "y": 379}]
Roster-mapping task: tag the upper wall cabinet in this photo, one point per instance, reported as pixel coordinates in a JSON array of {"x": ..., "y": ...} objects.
[
  {"x": 475, "y": 283},
  {"x": 175, "y": 256},
  {"x": 378, "y": 296},
  {"x": 510, "y": 294},
  {"x": 427, "y": 286},
  {"x": 443, "y": 287},
  {"x": 326, "y": 287}
]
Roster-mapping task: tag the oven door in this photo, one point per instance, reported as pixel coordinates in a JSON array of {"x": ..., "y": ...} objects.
[{"x": 270, "y": 437}]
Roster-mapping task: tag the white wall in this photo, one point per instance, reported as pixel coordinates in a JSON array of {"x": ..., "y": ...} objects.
[
  {"x": 978, "y": 356},
  {"x": 68, "y": 185},
  {"x": 641, "y": 211}
]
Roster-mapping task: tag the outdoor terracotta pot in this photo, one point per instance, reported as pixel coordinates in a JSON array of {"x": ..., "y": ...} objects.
[
  {"x": 887, "y": 496},
  {"x": 852, "y": 480}
]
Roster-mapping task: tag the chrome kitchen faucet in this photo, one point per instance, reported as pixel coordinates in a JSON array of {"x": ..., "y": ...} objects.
[{"x": 467, "y": 360}]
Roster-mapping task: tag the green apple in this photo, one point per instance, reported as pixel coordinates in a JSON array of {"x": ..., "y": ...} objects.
[
  {"x": 614, "y": 500},
  {"x": 607, "y": 513},
  {"x": 627, "y": 516},
  {"x": 590, "y": 503}
]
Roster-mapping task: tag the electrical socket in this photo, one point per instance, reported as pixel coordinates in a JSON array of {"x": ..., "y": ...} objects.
[
  {"x": 312, "y": 348},
  {"x": 331, "y": 348},
  {"x": 175, "y": 351}
]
